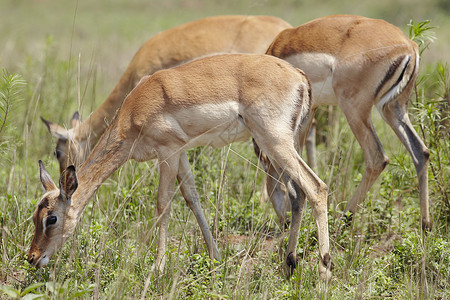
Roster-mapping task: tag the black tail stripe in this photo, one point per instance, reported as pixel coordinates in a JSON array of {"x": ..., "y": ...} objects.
[
  {"x": 391, "y": 73},
  {"x": 403, "y": 72}
]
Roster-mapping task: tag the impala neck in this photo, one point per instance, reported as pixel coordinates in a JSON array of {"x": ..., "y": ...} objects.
[
  {"x": 107, "y": 156},
  {"x": 92, "y": 129}
]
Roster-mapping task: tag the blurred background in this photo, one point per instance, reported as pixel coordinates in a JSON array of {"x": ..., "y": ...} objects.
[
  {"x": 101, "y": 29},
  {"x": 101, "y": 37}
]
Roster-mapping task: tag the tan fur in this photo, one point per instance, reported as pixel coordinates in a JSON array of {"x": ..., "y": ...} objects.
[
  {"x": 211, "y": 101},
  {"x": 356, "y": 62},
  {"x": 219, "y": 34}
]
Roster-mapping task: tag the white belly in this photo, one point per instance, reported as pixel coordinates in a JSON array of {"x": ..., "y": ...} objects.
[
  {"x": 214, "y": 125},
  {"x": 221, "y": 136}
]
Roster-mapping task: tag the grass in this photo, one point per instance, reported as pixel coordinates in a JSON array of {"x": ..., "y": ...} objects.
[{"x": 71, "y": 55}]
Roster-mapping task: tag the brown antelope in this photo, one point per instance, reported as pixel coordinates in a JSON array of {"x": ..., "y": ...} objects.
[
  {"x": 211, "y": 101},
  {"x": 220, "y": 34},
  {"x": 356, "y": 62}
]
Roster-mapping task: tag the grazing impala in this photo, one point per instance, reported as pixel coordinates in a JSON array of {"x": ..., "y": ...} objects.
[
  {"x": 356, "y": 63},
  {"x": 220, "y": 34},
  {"x": 211, "y": 101}
]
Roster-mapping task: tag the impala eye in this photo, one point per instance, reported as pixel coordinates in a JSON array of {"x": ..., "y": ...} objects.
[{"x": 51, "y": 220}]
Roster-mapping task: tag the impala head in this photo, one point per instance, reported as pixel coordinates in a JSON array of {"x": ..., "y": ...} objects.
[
  {"x": 68, "y": 149},
  {"x": 52, "y": 218}
]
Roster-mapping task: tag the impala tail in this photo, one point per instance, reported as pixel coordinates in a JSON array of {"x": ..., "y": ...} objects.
[
  {"x": 402, "y": 71},
  {"x": 304, "y": 108}
]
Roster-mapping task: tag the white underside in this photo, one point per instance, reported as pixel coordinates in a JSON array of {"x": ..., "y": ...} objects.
[
  {"x": 214, "y": 125},
  {"x": 222, "y": 135}
]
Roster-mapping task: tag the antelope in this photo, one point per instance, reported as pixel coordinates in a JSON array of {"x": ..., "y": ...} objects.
[
  {"x": 212, "y": 101},
  {"x": 220, "y": 34},
  {"x": 356, "y": 62}
]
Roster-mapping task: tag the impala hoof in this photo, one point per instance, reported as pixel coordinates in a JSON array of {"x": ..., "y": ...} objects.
[
  {"x": 326, "y": 266},
  {"x": 290, "y": 264},
  {"x": 427, "y": 225},
  {"x": 286, "y": 223}
]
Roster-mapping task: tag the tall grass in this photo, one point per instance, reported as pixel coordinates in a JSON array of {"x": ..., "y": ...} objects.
[
  {"x": 10, "y": 97},
  {"x": 110, "y": 256}
]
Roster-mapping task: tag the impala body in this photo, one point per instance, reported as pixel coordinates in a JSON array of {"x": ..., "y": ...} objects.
[
  {"x": 211, "y": 101},
  {"x": 220, "y": 34},
  {"x": 357, "y": 63}
]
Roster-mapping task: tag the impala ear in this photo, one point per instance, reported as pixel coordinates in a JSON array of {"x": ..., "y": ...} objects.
[
  {"x": 56, "y": 130},
  {"x": 75, "y": 121},
  {"x": 68, "y": 183},
  {"x": 46, "y": 179}
]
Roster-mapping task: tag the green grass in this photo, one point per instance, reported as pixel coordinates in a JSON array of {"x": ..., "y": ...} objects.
[{"x": 382, "y": 255}]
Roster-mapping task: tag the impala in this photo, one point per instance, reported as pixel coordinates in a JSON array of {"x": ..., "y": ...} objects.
[
  {"x": 356, "y": 62},
  {"x": 220, "y": 34},
  {"x": 211, "y": 101}
]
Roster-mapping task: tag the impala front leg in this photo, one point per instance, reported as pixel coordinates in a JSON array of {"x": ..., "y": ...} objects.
[
  {"x": 297, "y": 199},
  {"x": 273, "y": 187},
  {"x": 374, "y": 156},
  {"x": 318, "y": 201},
  {"x": 276, "y": 195},
  {"x": 190, "y": 194},
  {"x": 168, "y": 169}
]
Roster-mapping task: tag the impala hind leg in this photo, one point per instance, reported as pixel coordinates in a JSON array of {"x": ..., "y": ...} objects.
[
  {"x": 301, "y": 181},
  {"x": 395, "y": 113},
  {"x": 190, "y": 194},
  {"x": 305, "y": 134},
  {"x": 168, "y": 169},
  {"x": 374, "y": 157}
]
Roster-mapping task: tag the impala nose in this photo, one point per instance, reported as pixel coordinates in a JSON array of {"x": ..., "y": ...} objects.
[{"x": 33, "y": 257}]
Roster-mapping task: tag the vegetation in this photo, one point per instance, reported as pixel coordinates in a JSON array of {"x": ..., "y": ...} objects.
[{"x": 63, "y": 56}]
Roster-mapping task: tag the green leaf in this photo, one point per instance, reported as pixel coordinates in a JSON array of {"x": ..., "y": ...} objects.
[
  {"x": 422, "y": 34},
  {"x": 31, "y": 287},
  {"x": 32, "y": 296},
  {"x": 81, "y": 292},
  {"x": 10, "y": 291}
]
